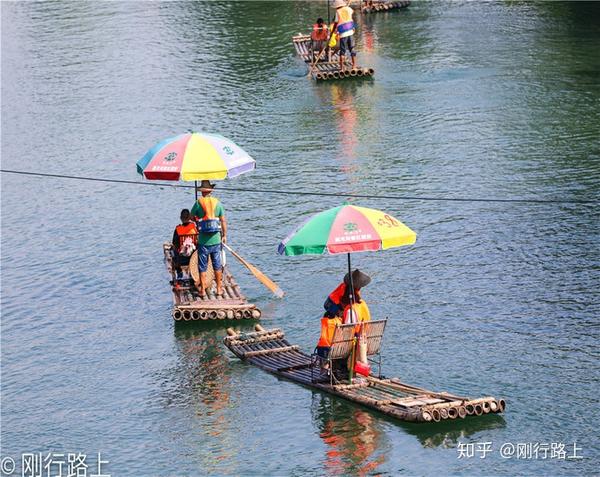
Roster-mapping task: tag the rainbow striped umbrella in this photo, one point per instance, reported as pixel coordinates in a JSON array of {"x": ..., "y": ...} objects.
[
  {"x": 347, "y": 229},
  {"x": 195, "y": 156}
]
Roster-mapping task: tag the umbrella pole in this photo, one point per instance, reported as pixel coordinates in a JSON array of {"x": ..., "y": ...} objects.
[
  {"x": 351, "y": 371},
  {"x": 196, "y": 189}
]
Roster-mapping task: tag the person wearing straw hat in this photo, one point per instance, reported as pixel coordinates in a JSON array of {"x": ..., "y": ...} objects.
[
  {"x": 355, "y": 309},
  {"x": 344, "y": 26},
  {"x": 212, "y": 233}
]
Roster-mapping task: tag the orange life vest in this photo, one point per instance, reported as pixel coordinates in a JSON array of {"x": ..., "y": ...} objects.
[
  {"x": 187, "y": 234},
  {"x": 332, "y": 304},
  {"x": 357, "y": 313},
  {"x": 209, "y": 223},
  {"x": 319, "y": 32},
  {"x": 327, "y": 330}
]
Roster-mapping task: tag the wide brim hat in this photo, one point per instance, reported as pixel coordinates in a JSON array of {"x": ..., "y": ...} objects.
[
  {"x": 339, "y": 3},
  {"x": 359, "y": 279},
  {"x": 206, "y": 185}
]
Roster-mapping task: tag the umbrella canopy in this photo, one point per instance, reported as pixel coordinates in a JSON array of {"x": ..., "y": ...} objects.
[
  {"x": 195, "y": 156},
  {"x": 347, "y": 229}
]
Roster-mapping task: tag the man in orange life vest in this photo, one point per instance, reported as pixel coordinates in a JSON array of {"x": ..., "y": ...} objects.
[
  {"x": 212, "y": 233},
  {"x": 339, "y": 309},
  {"x": 185, "y": 239},
  {"x": 344, "y": 26}
]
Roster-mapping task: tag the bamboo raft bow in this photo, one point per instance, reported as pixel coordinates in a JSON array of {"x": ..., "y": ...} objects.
[
  {"x": 189, "y": 306},
  {"x": 381, "y": 6},
  {"x": 269, "y": 350},
  {"x": 320, "y": 67}
]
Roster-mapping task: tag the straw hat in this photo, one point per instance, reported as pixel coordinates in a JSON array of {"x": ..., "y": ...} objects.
[
  {"x": 206, "y": 185},
  {"x": 339, "y": 4},
  {"x": 359, "y": 279}
]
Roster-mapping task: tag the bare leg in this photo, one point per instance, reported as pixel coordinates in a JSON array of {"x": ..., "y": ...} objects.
[
  {"x": 353, "y": 57},
  {"x": 219, "y": 277},
  {"x": 341, "y": 62},
  {"x": 202, "y": 287}
]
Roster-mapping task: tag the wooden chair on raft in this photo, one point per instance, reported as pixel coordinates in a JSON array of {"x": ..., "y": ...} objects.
[{"x": 341, "y": 348}]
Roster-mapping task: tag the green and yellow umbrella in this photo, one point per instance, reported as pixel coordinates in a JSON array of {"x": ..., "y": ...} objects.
[{"x": 347, "y": 229}]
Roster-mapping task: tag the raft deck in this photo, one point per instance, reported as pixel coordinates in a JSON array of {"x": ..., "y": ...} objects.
[
  {"x": 269, "y": 350},
  {"x": 326, "y": 68},
  {"x": 379, "y": 5},
  {"x": 189, "y": 306}
]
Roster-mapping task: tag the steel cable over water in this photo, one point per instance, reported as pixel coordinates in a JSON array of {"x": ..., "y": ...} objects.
[{"x": 324, "y": 194}]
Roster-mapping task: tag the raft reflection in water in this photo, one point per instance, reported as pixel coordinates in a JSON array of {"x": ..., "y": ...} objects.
[{"x": 356, "y": 443}]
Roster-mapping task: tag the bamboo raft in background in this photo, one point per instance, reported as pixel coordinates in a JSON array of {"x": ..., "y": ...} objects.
[
  {"x": 189, "y": 306},
  {"x": 269, "y": 350},
  {"x": 325, "y": 69},
  {"x": 379, "y": 5}
]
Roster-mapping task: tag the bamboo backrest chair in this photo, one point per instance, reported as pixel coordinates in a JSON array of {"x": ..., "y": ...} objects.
[{"x": 343, "y": 341}]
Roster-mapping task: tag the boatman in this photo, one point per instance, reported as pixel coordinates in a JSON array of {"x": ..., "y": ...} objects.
[
  {"x": 212, "y": 233},
  {"x": 344, "y": 26}
]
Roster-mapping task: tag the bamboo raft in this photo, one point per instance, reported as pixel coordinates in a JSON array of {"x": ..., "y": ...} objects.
[
  {"x": 189, "y": 306},
  {"x": 326, "y": 68},
  {"x": 269, "y": 350},
  {"x": 380, "y": 5}
]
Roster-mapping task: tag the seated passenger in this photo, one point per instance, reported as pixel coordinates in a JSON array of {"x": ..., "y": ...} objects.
[
  {"x": 319, "y": 35},
  {"x": 358, "y": 311},
  {"x": 185, "y": 239}
]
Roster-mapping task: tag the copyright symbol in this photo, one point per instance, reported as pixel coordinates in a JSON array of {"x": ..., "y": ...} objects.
[
  {"x": 7, "y": 465},
  {"x": 507, "y": 450}
]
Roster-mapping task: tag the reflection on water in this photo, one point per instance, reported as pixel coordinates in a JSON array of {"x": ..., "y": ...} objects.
[
  {"x": 449, "y": 433},
  {"x": 356, "y": 443}
]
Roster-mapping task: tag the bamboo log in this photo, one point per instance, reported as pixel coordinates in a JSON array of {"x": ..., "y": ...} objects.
[
  {"x": 231, "y": 332},
  {"x": 249, "y": 354},
  {"x": 435, "y": 415},
  {"x": 359, "y": 72},
  {"x": 462, "y": 412},
  {"x": 187, "y": 315},
  {"x": 353, "y": 72},
  {"x": 452, "y": 413},
  {"x": 260, "y": 329},
  {"x": 478, "y": 410},
  {"x": 195, "y": 315},
  {"x": 177, "y": 315},
  {"x": 443, "y": 413},
  {"x": 221, "y": 314},
  {"x": 229, "y": 314},
  {"x": 256, "y": 313},
  {"x": 237, "y": 314},
  {"x": 501, "y": 405},
  {"x": 212, "y": 315},
  {"x": 486, "y": 407},
  {"x": 470, "y": 408}
]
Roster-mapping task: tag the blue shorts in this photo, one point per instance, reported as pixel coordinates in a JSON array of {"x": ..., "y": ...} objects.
[
  {"x": 215, "y": 255},
  {"x": 347, "y": 44},
  {"x": 323, "y": 351}
]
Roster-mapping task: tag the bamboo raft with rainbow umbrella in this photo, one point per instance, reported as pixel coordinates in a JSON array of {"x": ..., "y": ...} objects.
[
  {"x": 194, "y": 157},
  {"x": 348, "y": 229}
]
